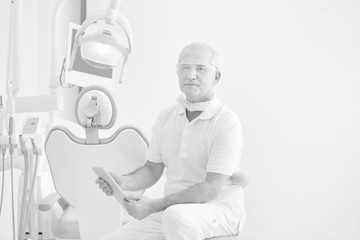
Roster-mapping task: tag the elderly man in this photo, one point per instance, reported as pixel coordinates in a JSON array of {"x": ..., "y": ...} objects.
[{"x": 199, "y": 142}]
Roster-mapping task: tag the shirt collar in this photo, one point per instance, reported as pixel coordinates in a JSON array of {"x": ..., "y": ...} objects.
[{"x": 214, "y": 107}]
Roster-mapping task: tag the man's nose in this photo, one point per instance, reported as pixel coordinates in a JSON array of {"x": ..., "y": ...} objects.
[{"x": 192, "y": 74}]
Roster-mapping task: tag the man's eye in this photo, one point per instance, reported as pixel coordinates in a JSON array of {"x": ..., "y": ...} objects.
[
  {"x": 202, "y": 68},
  {"x": 185, "y": 67}
]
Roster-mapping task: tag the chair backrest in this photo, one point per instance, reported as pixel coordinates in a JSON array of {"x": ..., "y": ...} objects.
[{"x": 71, "y": 162}]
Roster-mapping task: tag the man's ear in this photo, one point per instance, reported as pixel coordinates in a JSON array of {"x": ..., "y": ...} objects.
[{"x": 217, "y": 76}]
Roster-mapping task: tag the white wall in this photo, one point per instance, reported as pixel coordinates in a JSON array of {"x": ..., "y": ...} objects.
[{"x": 291, "y": 72}]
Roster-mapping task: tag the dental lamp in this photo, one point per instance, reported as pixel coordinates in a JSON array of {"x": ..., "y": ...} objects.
[{"x": 101, "y": 39}]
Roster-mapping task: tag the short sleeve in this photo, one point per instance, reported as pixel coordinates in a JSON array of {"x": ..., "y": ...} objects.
[
  {"x": 153, "y": 153},
  {"x": 226, "y": 149}
]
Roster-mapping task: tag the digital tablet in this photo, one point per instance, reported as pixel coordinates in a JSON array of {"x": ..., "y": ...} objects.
[{"x": 118, "y": 193}]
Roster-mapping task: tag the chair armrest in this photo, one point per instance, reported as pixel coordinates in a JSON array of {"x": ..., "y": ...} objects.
[{"x": 48, "y": 202}]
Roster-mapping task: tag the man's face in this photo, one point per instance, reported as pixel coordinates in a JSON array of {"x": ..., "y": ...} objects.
[{"x": 196, "y": 74}]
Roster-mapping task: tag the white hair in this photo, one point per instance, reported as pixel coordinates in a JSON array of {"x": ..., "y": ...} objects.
[{"x": 215, "y": 57}]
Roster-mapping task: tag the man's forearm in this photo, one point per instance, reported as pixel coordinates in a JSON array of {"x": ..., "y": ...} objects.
[
  {"x": 199, "y": 193},
  {"x": 140, "y": 179}
]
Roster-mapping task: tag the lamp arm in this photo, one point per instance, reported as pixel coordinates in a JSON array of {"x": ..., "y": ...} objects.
[
  {"x": 124, "y": 23},
  {"x": 102, "y": 14},
  {"x": 114, "y": 10},
  {"x": 56, "y": 23},
  {"x": 115, "y": 4}
]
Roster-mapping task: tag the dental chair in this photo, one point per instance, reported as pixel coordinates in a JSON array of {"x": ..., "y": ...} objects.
[{"x": 79, "y": 208}]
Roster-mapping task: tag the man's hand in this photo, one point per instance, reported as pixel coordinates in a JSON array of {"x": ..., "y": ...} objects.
[
  {"x": 139, "y": 208},
  {"x": 122, "y": 181},
  {"x": 104, "y": 186}
]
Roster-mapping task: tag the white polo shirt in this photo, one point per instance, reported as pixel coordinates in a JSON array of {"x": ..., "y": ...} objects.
[{"x": 210, "y": 143}]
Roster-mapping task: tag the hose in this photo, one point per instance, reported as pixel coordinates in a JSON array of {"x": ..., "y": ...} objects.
[
  {"x": 3, "y": 151},
  {"x": 27, "y": 209},
  {"x": 11, "y": 151},
  {"x": 24, "y": 194}
]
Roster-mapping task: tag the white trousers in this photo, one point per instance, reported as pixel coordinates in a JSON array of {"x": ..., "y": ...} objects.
[{"x": 184, "y": 222}]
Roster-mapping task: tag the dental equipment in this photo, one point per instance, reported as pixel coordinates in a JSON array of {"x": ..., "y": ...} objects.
[
  {"x": 31, "y": 177},
  {"x": 13, "y": 73},
  {"x": 2, "y": 151},
  {"x": 2, "y": 115},
  {"x": 13, "y": 87},
  {"x": 27, "y": 191},
  {"x": 11, "y": 152},
  {"x": 26, "y": 177},
  {"x": 15, "y": 104},
  {"x": 100, "y": 40}
]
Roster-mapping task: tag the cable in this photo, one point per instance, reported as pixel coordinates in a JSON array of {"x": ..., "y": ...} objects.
[
  {"x": 61, "y": 76},
  {"x": 23, "y": 198},
  {"x": 24, "y": 194},
  {"x": 3, "y": 151},
  {"x": 36, "y": 152},
  {"x": 11, "y": 151}
]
